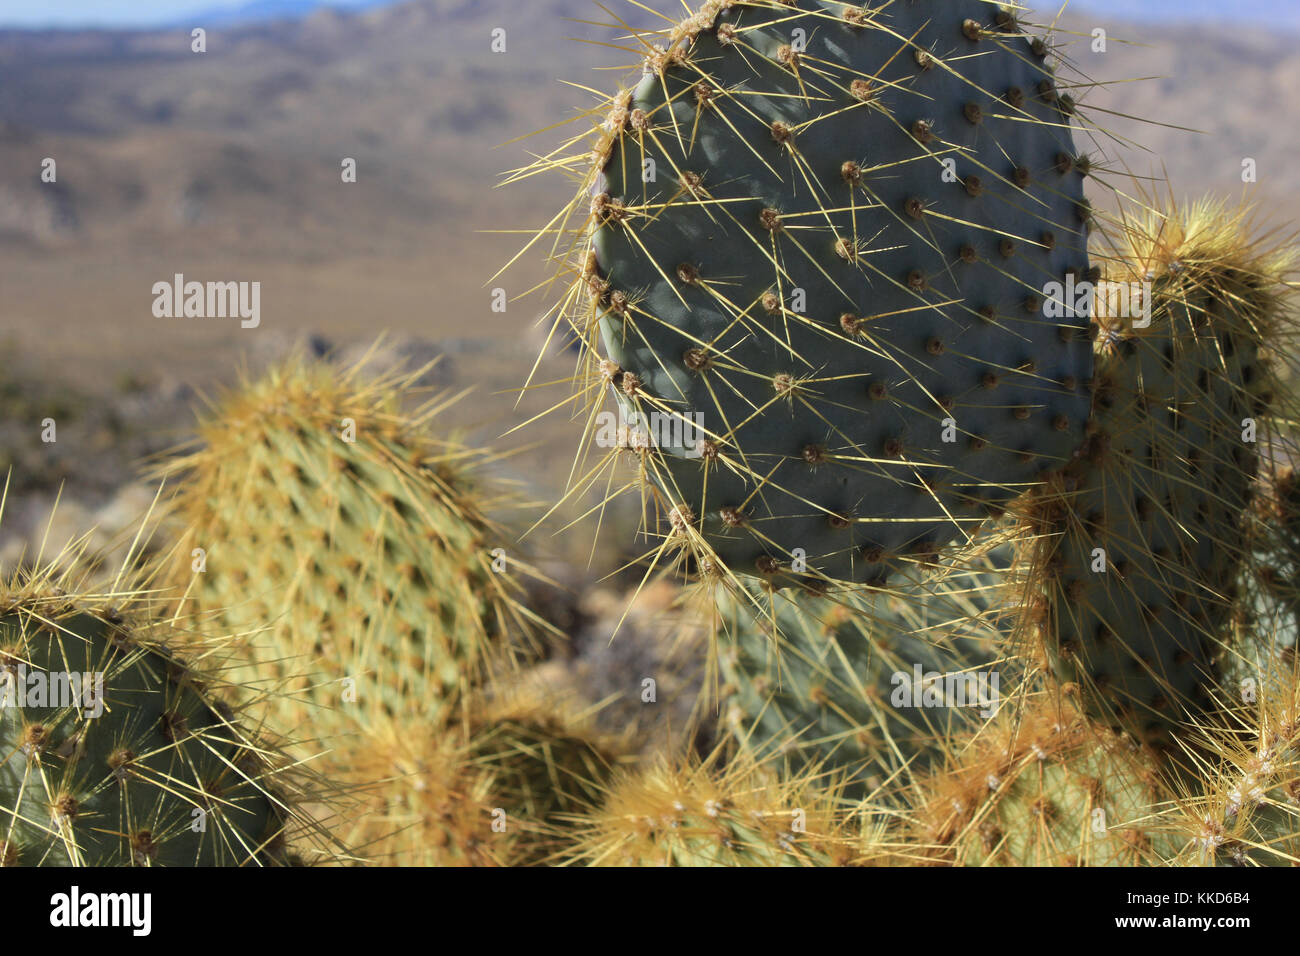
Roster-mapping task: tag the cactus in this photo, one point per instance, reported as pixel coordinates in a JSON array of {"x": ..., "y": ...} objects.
[
  {"x": 1038, "y": 787},
  {"x": 1267, "y": 616},
  {"x": 135, "y": 760},
  {"x": 346, "y": 544},
  {"x": 1137, "y": 547},
  {"x": 690, "y": 812},
  {"x": 825, "y": 230},
  {"x": 824, "y": 675},
  {"x": 488, "y": 792},
  {"x": 1245, "y": 808}
]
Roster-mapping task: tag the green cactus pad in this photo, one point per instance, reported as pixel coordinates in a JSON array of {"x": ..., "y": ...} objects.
[
  {"x": 1141, "y": 545},
  {"x": 350, "y": 547},
  {"x": 162, "y": 776},
  {"x": 831, "y": 681},
  {"x": 1041, "y": 787},
  {"x": 823, "y": 234}
]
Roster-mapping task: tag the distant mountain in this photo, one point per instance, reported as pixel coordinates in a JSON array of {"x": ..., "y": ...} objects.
[
  {"x": 240, "y": 149},
  {"x": 262, "y": 10},
  {"x": 1273, "y": 14}
]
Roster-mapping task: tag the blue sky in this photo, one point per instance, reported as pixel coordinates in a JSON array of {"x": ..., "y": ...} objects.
[
  {"x": 151, "y": 12},
  {"x": 25, "y": 13}
]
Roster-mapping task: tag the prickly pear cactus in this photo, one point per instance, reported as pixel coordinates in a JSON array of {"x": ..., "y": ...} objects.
[
  {"x": 115, "y": 753},
  {"x": 1140, "y": 544},
  {"x": 350, "y": 547},
  {"x": 1038, "y": 788},
  {"x": 490, "y": 792},
  {"x": 702, "y": 814},
  {"x": 548, "y": 761},
  {"x": 833, "y": 680},
  {"x": 819, "y": 241}
]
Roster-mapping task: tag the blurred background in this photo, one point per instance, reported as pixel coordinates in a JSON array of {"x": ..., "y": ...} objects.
[{"x": 226, "y": 165}]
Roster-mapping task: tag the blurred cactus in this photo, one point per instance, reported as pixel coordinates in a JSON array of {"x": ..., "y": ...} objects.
[
  {"x": 1039, "y": 787},
  {"x": 704, "y": 813},
  {"x": 492, "y": 791},
  {"x": 352, "y": 547}
]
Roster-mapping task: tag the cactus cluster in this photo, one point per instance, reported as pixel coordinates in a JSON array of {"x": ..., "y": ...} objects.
[
  {"x": 895, "y": 396},
  {"x": 993, "y": 571}
]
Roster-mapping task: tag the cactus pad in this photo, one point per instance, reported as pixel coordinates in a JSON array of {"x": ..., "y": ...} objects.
[
  {"x": 819, "y": 240},
  {"x": 162, "y": 776}
]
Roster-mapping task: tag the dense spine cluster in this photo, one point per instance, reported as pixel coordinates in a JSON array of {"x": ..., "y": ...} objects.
[{"x": 700, "y": 813}]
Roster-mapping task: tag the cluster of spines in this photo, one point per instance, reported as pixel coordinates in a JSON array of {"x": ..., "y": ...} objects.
[
  {"x": 693, "y": 812},
  {"x": 1241, "y": 804}
]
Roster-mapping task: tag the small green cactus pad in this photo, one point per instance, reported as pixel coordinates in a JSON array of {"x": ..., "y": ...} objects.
[
  {"x": 548, "y": 764},
  {"x": 833, "y": 680},
  {"x": 820, "y": 243},
  {"x": 350, "y": 546},
  {"x": 140, "y": 766},
  {"x": 1141, "y": 542},
  {"x": 1038, "y": 788},
  {"x": 703, "y": 814}
]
